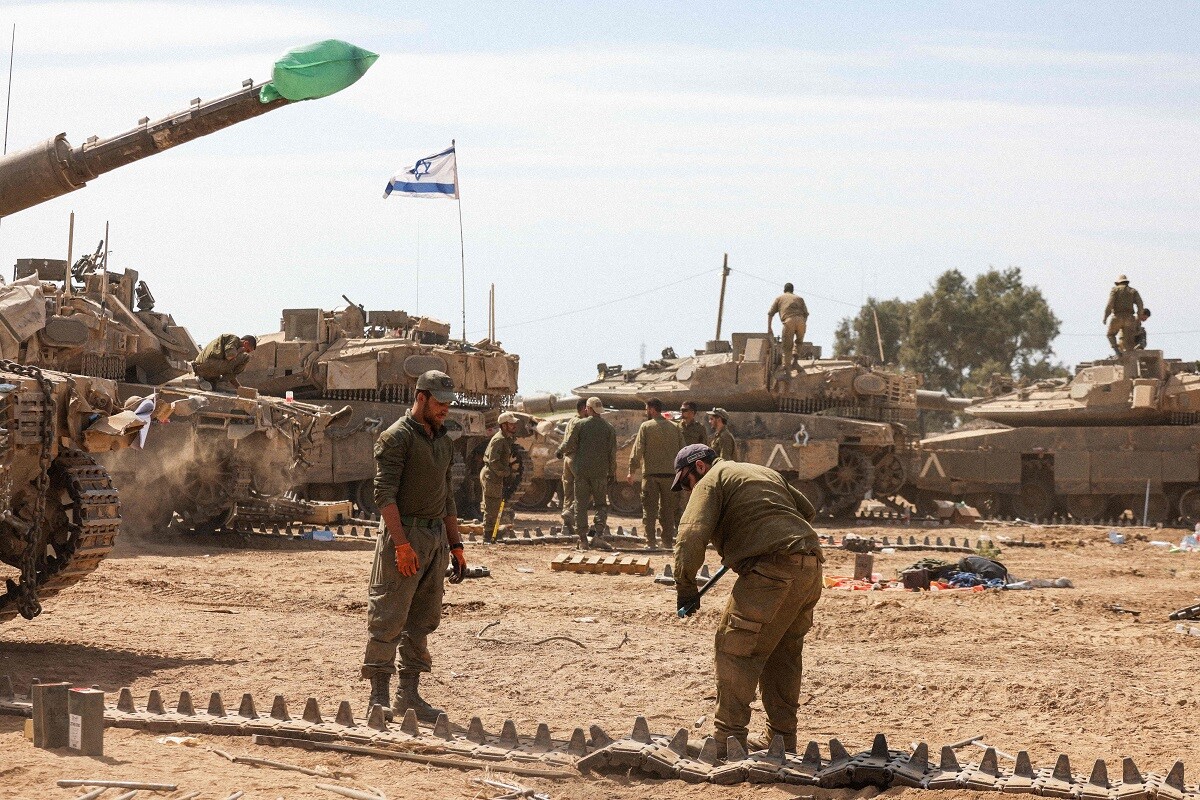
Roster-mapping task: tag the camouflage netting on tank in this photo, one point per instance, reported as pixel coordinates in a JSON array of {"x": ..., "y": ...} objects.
[{"x": 645, "y": 754}]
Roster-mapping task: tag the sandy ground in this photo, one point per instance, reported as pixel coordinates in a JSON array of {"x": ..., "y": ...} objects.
[{"x": 1047, "y": 671}]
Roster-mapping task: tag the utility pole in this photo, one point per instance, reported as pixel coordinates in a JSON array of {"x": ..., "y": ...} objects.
[{"x": 721, "y": 303}]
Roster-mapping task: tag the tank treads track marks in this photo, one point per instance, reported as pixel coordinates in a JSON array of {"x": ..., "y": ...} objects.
[{"x": 646, "y": 754}]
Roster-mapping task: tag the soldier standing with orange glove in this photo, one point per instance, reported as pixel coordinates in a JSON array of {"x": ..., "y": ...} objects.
[{"x": 419, "y": 538}]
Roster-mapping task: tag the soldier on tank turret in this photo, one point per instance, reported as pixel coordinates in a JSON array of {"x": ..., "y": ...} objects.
[
  {"x": 1124, "y": 306},
  {"x": 793, "y": 313},
  {"x": 1139, "y": 338},
  {"x": 223, "y": 359}
]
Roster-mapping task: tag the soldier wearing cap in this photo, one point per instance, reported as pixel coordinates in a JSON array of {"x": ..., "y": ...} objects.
[
  {"x": 760, "y": 527},
  {"x": 223, "y": 359},
  {"x": 722, "y": 438},
  {"x": 592, "y": 446},
  {"x": 653, "y": 454},
  {"x": 419, "y": 537},
  {"x": 793, "y": 313},
  {"x": 499, "y": 464},
  {"x": 1124, "y": 306}
]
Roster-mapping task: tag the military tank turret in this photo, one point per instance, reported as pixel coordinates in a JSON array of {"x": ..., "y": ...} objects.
[
  {"x": 834, "y": 427},
  {"x": 369, "y": 361},
  {"x": 1120, "y": 435}
]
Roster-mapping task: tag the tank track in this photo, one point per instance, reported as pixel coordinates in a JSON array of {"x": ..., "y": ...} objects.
[
  {"x": 647, "y": 755},
  {"x": 93, "y": 521}
]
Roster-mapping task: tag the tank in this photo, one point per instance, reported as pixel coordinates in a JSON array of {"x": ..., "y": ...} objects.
[
  {"x": 1121, "y": 435},
  {"x": 60, "y": 513},
  {"x": 835, "y": 428},
  {"x": 55, "y": 167},
  {"x": 369, "y": 362},
  {"x": 208, "y": 454},
  {"x": 91, "y": 321}
]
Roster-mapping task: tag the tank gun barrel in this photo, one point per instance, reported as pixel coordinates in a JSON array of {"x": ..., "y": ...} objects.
[
  {"x": 55, "y": 167},
  {"x": 929, "y": 400}
]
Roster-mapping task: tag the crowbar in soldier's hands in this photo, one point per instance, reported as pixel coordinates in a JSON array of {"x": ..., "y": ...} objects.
[{"x": 693, "y": 605}]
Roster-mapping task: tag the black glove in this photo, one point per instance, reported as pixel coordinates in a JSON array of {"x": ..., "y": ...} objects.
[{"x": 687, "y": 601}]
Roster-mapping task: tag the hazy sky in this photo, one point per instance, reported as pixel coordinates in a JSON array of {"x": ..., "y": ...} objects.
[{"x": 616, "y": 150}]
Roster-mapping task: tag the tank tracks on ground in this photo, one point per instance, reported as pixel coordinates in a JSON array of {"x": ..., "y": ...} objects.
[
  {"x": 647, "y": 755},
  {"x": 93, "y": 522}
]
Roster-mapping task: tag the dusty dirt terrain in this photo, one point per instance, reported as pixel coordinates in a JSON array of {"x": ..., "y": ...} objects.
[{"x": 1048, "y": 671}]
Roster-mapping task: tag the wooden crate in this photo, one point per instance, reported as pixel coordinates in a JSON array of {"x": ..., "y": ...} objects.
[
  {"x": 615, "y": 564},
  {"x": 320, "y": 512}
]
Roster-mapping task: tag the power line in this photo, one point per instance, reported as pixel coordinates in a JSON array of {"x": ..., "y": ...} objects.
[
  {"x": 807, "y": 292},
  {"x": 608, "y": 302}
]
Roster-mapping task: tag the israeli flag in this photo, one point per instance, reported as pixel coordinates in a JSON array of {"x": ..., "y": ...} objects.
[{"x": 432, "y": 176}]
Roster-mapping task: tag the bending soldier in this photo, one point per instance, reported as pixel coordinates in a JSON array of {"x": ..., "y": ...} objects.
[
  {"x": 653, "y": 454},
  {"x": 497, "y": 469},
  {"x": 793, "y": 313},
  {"x": 223, "y": 359},
  {"x": 759, "y": 525},
  {"x": 1124, "y": 306}
]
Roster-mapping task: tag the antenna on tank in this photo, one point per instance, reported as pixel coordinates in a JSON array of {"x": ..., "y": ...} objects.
[{"x": 721, "y": 302}]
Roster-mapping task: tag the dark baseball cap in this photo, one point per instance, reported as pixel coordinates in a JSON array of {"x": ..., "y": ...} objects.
[
  {"x": 688, "y": 456},
  {"x": 437, "y": 384}
]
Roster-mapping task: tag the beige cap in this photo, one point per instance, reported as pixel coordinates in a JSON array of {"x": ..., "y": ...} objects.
[
  {"x": 1122, "y": 279},
  {"x": 719, "y": 412},
  {"x": 595, "y": 405},
  {"x": 508, "y": 416}
]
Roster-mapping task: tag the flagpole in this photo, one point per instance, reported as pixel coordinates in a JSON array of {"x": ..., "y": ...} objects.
[{"x": 462, "y": 248}]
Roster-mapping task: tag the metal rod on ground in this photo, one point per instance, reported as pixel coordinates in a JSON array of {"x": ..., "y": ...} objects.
[
  {"x": 235, "y": 795},
  {"x": 418, "y": 758},
  {"x": 965, "y": 742},
  {"x": 150, "y": 787},
  {"x": 346, "y": 791},
  {"x": 93, "y": 794},
  {"x": 126, "y": 796},
  {"x": 1000, "y": 753},
  {"x": 1146, "y": 505},
  {"x": 189, "y": 796}
]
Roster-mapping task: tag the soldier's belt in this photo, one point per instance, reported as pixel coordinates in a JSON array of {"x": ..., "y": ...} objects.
[{"x": 420, "y": 522}]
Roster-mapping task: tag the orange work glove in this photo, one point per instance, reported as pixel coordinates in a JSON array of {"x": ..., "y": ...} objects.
[
  {"x": 458, "y": 563},
  {"x": 406, "y": 560}
]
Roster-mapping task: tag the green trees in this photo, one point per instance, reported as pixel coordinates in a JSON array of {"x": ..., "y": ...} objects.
[{"x": 960, "y": 332}]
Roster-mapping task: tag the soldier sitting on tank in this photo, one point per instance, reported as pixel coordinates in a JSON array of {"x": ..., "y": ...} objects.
[
  {"x": 1139, "y": 338},
  {"x": 793, "y": 313},
  {"x": 1124, "y": 306},
  {"x": 223, "y": 359}
]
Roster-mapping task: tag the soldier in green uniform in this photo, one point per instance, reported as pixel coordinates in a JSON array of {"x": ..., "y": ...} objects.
[
  {"x": 793, "y": 313},
  {"x": 498, "y": 466},
  {"x": 223, "y": 359},
  {"x": 1139, "y": 338},
  {"x": 568, "y": 476},
  {"x": 653, "y": 454},
  {"x": 691, "y": 428},
  {"x": 1124, "y": 306},
  {"x": 419, "y": 537},
  {"x": 759, "y": 525},
  {"x": 592, "y": 447},
  {"x": 722, "y": 438}
]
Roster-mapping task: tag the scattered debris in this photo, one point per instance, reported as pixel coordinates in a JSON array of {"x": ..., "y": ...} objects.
[
  {"x": 320, "y": 772},
  {"x": 150, "y": 787},
  {"x": 511, "y": 791},
  {"x": 346, "y": 791},
  {"x": 1122, "y": 610},
  {"x": 1188, "y": 612}
]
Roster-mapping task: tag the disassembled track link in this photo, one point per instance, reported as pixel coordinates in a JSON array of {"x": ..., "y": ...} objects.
[
  {"x": 93, "y": 520},
  {"x": 646, "y": 754}
]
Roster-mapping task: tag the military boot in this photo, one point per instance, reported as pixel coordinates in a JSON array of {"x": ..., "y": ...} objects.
[
  {"x": 380, "y": 693},
  {"x": 650, "y": 540},
  {"x": 407, "y": 697},
  {"x": 763, "y": 742}
]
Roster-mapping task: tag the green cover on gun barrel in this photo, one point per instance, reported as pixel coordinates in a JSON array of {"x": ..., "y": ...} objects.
[{"x": 317, "y": 70}]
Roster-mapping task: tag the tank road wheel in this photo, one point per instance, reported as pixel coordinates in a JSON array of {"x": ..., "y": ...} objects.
[
  {"x": 848, "y": 482},
  {"x": 1159, "y": 510},
  {"x": 890, "y": 476},
  {"x": 988, "y": 504},
  {"x": 625, "y": 498},
  {"x": 1189, "y": 506},
  {"x": 206, "y": 493},
  {"x": 1036, "y": 500},
  {"x": 536, "y": 497},
  {"x": 1087, "y": 506},
  {"x": 813, "y": 491}
]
